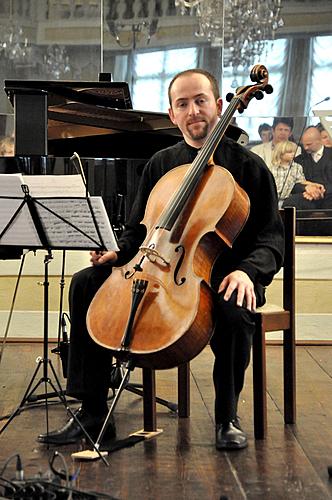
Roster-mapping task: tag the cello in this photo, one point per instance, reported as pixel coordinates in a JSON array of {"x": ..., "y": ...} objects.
[{"x": 157, "y": 310}]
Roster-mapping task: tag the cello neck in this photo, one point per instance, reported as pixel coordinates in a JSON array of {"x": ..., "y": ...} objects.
[
  {"x": 259, "y": 75},
  {"x": 191, "y": 179}
]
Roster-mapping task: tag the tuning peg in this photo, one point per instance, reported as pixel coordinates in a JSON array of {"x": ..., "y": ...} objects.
[
  {"x": 259, "y": 95},
  {"x": 268, "y": 89},
  {"x": 229, "y": 96}
]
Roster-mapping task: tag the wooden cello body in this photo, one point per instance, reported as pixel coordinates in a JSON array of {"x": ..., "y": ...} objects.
[
  {"x": 158, "y": 309},
  {"x": 175, "y": 320}
]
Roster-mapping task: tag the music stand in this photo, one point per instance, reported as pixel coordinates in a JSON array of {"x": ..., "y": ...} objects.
[{"x": 52, "y": 223}]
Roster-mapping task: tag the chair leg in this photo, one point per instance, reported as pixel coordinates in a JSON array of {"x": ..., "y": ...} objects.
[
  {"x": 184, "y": 390},
  {"x": 289, "y": 377},
  {"x": 149, "y": 400},
  {"x": 259, "y": 381}
]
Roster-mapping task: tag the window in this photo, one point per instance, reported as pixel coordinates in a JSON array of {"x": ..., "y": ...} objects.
[
  {"x": 321, "y": 71},
  {"x": 274, "y": 58},
  {"x": 152, "y": 73}
]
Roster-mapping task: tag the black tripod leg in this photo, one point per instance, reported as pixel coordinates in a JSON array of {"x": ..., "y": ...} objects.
[
  {"x": 135, "y": 389},
  {"x": 26, "y": 396}
]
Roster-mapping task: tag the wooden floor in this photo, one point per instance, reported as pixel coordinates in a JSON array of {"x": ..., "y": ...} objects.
[{"x": 182, "y": 462}]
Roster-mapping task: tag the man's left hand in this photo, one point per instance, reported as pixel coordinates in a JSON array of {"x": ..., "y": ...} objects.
[{"x": 240, "y": 281}]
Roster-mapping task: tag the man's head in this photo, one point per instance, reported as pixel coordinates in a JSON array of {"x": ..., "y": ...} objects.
[
  {"x": 282, "y": 129},
  {"x": 265, "y": 132},
  {"x": 311, "y": 140},
  {"x": 195, "y": 104}
]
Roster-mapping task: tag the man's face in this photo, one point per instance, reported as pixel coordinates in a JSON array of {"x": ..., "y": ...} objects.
[
  {"x": 194, "y": 108},
  {"x": 311, "y": 140},
  {"x": 281, "y": 132},
  {"x": 265, "y": 135}
]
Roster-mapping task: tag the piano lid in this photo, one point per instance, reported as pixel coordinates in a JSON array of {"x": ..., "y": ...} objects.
[
  {"x": 108, "y": 94},
  {"x": 100, "y": 111},
  {"x": 81, "y": 109}
]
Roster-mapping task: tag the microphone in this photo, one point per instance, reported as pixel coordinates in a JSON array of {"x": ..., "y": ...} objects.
[
  {"x": 320, "y": 102},
  {"x": 80, "y": 171}
]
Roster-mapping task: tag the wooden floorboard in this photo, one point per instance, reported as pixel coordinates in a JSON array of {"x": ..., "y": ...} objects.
[{"x": 182, "y": 462}]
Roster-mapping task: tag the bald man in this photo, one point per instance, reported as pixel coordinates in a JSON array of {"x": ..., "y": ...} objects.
[{"x": 316, "y": 161}]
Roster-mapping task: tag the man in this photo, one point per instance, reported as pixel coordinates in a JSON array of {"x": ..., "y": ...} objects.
[
  {"x": 265, "y": 132},
  {"x": 316, "y": 161},
  {"x": 239, "y": 276},
  {"x": 281, "y": 131}
]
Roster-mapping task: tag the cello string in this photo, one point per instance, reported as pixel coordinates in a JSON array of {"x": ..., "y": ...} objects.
[{"x": 191, "y": 177}]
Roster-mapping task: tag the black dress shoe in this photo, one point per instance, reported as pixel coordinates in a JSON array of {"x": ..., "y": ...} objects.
[
  {"x": 230, "y": 436},
  {"x": 71, "y": 432}
]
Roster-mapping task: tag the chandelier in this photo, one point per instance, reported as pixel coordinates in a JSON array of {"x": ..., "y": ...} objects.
[
  {"x": 56, "y": 62},
  {"x": 132, "y": 32},
  {"x": 241, "y": 26},
  {"x": 14, "y": 45}
]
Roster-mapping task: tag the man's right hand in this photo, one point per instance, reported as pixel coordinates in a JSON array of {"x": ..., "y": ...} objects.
[
  {"x": 314, "y": 191},
  {"x": 99, "y": 258}
]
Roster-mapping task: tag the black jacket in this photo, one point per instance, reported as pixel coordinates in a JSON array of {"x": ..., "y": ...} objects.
[{"x": 258, "y": 249}]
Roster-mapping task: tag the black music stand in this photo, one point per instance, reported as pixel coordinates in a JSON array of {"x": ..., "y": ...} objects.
[{"x": 40, "y": 216}]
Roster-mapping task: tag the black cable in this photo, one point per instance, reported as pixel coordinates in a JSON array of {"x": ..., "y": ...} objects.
[{"x": 7, "y": 462}]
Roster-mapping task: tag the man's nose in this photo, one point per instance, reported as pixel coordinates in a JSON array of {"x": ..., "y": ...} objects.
[{"x": 193, "y": 108}]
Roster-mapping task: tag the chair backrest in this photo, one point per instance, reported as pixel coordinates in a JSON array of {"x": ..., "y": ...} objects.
[{"x": 288, "y": 215}]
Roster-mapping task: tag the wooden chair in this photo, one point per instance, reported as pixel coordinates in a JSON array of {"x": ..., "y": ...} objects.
[
  {"x": 268, "y": 318},
  {"x": 271, "y": 318},
  {"x": 149, "y": 395}
]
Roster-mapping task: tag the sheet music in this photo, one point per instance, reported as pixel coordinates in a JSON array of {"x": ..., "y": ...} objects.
[
  {"x": 54, "y": 185},
  {"x": 77, "y": 230},
  {"x": 72, "y": 207},
  {"x": 22, "y": 232}
]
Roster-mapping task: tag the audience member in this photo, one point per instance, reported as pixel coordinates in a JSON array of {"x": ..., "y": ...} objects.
[
  {"x": 265, "y": 132},
  {"x": 316, "y": 161},
  {"x": 7, "y": 146},
  {"x": 288, "y": 174},
  {"x": 326, "y": 139},
  {"x": 324, "y": 135},
  {"x": 281, "y": 131}
]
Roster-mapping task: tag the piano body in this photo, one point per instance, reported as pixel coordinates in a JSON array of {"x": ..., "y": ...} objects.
[{"x": 54, "y": 119}]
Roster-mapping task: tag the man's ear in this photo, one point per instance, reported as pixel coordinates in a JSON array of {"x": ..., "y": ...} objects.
[
  {"x": 219, "y": 105},
  {"x": 171, "y": 115}
]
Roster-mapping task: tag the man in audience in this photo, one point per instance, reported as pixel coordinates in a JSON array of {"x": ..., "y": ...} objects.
[
  {"x": 281, "y": 131},
  {"x": 316, "y": 161},
  {"x": 265, "y": 132}
]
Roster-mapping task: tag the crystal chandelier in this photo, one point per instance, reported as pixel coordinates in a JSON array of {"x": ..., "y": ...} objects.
[
  {"x": 56, "y": 62},
  {"x": 133, "y": 32},
  {"x": 241, "y": 26},
  {"x": 13, "y": 44}
]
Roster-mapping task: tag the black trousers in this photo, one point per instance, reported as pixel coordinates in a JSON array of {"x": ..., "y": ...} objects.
[{"x": 89, "y": 364}]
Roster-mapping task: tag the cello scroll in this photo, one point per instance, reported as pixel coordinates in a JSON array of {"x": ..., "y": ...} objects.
[{"x": 258, "y": 74}]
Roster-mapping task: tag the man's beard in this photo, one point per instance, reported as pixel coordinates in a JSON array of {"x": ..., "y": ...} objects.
[{"x": 199, "y": 134}]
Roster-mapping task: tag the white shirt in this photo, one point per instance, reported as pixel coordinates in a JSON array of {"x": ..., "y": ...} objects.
[{"x": 318, "y": 154}]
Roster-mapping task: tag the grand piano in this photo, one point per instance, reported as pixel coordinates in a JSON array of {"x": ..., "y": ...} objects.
[{"x": 53, "y": 119}]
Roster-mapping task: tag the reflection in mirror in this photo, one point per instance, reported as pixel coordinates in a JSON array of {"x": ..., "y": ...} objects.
[{"x": 144, "y": 43}]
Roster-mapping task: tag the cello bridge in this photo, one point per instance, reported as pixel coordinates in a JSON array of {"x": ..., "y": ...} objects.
[{"x": 153, "y": 255}]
